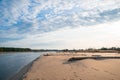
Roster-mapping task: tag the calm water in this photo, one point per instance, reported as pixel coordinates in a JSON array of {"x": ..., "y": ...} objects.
[{"x": 11, "y": 63}]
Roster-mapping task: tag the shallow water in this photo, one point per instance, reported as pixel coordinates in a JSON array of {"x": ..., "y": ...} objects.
[{"x": 11, "y": 63}]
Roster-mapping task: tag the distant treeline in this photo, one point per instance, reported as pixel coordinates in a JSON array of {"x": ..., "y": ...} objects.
[
  {"x": 112, "y": 48},
  {"x": 11, "y": 49}
]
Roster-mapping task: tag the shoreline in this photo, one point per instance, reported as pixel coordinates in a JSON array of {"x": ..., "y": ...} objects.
[
  {"x": 58, "y": 67},
  {"x": 22, "y": 72}
]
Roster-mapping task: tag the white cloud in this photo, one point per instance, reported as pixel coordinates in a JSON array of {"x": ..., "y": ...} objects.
[
  {"x": 11, "y": 33},
  {"x": 50, "y": 15},
  {"x": 103, "y": 35},
  {"x": 29, "y": 11}
]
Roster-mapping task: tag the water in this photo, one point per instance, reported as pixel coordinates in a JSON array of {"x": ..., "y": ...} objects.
[{"x": 11, "y": 63}]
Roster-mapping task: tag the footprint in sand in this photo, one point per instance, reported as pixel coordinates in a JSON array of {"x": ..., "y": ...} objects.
[
  {"x": 94, "y": 69},
  {"x": 75, "y": 74},
  {"x": 110, "y": 73},
  {"x": 38, "y": 79}
]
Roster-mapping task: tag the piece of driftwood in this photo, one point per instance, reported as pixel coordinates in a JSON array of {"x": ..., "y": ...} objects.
[{"x": 93, "y": 57}]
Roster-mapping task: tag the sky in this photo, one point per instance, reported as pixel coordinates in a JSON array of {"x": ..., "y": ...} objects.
[{"x": 60, "y": 24}]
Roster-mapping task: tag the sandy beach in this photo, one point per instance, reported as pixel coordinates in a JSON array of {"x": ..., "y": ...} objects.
[{"x": 57, "y": 67}]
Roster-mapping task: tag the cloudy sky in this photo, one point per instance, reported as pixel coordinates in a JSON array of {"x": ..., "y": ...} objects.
[{"x": 59, "y": 24}]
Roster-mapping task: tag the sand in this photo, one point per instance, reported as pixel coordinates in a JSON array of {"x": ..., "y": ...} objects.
[{"x": 57, "y": 67}]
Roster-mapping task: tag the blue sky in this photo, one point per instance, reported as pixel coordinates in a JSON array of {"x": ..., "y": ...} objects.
[{"x": 59, "y": 24}]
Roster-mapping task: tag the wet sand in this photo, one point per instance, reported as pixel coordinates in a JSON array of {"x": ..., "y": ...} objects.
[{"x": 57, "y": 67}]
